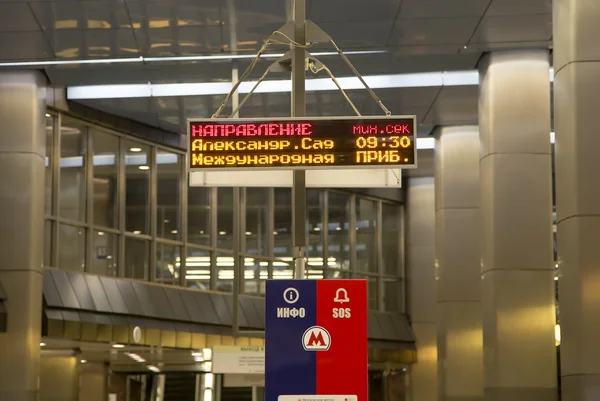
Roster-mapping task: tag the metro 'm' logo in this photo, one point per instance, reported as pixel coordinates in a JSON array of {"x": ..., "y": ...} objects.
[{"x": 316, "y": 338}]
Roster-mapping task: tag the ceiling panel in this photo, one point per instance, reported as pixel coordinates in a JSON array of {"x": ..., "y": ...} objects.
[
  {"x": 93, "y": 43},
  {"x": 173, "y": 13},
  {"x": 165, "y": 72},
  {"x": 254, "y": 12},
  {"x": 24, "y": 46},
  {"x": 177, "y": 41},
  {"x": 519, "y": 7},
  {"x": 352, "y": 10},
  {"x": 16, "y": 17},
  {"x": 515, "y": 28},
  {"x": 443, "y": 9},
  {"x": 81, "y": 15},
  {"x": 433, "y": 31},
  {"x": 361, "y": 35},
  {"x": 138, "y": 109},
  {"x": 250, "y": 37},
  {"x": 455, "y": 105}
]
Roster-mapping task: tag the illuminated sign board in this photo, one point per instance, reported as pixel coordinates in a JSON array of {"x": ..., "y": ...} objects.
[{"x": 329, "y": 142}]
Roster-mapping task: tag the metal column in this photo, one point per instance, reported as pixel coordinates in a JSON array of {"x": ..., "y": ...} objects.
[{"x": 299, "y": 110}]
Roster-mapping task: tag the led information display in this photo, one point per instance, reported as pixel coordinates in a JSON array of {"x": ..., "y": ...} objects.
[{"x": 302, "y": 143}]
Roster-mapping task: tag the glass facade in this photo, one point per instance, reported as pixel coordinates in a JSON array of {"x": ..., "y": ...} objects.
[{"x": 119, "y": 206}]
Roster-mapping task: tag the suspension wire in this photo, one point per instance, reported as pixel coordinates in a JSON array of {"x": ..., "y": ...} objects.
[
  {"x": 251, "y": 67},
  {"x": 355, "y": 71},
  {"x": 316, "y": 70},
  {"x": 250, "y": 93},
  {"x": 242, "y": 78}
]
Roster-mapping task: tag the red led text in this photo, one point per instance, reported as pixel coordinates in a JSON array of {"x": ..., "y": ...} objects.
[
  {"x": 388, "y": 129},
  {"x": 245, "y": 130}
]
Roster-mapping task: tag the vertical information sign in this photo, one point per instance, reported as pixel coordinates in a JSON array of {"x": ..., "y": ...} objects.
[{"x": 316, "y": 340}]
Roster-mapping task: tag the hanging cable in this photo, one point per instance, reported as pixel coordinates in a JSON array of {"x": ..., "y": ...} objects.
[
  {"x": 250, "y": 93},
  {"x": 316, "y": 70},
  {"x": 355, "y": 71}
]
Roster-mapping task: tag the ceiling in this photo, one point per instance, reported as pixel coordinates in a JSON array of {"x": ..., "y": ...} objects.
[{"x": 416, "y": 35}]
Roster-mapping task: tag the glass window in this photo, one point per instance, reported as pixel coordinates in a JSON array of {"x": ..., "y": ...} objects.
[
  {"x": 225, "y": 218},
  {"x": 106, "y": 204},
  {"x": 255, "y": 276},
  {"x": 49, "y": 160},
  {"x": 198, "y": 269},
  {"x": 72, "y": 169},
  {"x": 168, "y": 194},
  {"x": 104, "y": 260},
  {"x": 168, "y": 263},
  {"x": 391, "y": 295},
  {"x": 366, "y": 235},
  {"x": 391, "y": 239},
  {"x": 224, "y": 262},
  {"x": 257, "y": 221},
  {"x": 283, "y": 223},
  {"x": 314, "y": 203},
  {"x": 372, "y": 291},
  {"x": 71, "y": 252},
  {"x": 338, "y": 231},
  {"x": 283, "y": 269},
  {"x": 137, "y": 188},
  {"x": 48, "y": 243},
  {"x": 137, "y": 258},
  {"x": 199, "y": 215}
]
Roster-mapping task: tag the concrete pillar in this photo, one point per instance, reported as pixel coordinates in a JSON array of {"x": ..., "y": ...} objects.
[
  {"x": 93, "y": 382},
  {"x": 59, "y": 378},
  {"x": 516, "y": 210},
  {"x": 420, "y": 253},
  {"x": 576, "y": 91},
  {"x": 458, "y": 262},
  {"x": 22, "y": 151}
]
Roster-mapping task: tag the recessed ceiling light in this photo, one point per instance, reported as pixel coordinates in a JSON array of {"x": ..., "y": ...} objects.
[
  {"x": 83, "y": 361},
  {"x": 222, "y": 233},
  {"x": 173, "y": 231},
  {"x": 465, "y": 47},
  {"x": 338, "y": 228},
  {"x": 317, "y": 228},
  {"x": 248, "y": 232},
  {"x": 42, "y": 344},
  {"x": 166, "y": 221},
  {"x": 144, "y": 167},
  {"x": 153, "y": 368},
  {"x": 135, "y": 149},
  {"x": 48, "y": 115},
  {"x": 100, "y": 233},
  {"x": 555, "y": 278},
  {"x": 136, "y": 232},
  {"x": 275, "y": 232},
  {"x": 201, "y": 232},
  {"x": 118, "y": 346}
]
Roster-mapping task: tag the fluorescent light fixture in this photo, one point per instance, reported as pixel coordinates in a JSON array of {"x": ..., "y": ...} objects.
[
  {"x": 141, "y": 59},
  {"x": 135, "y": 149},
  {"x": 153, "y": 368},
  {"x": 415, "y": 80},
  {"x": 144, "y": 167},
  {"x": 222, "y": 233},
  {"x": 83, "y": 361},
  {"x": 100, "y": 233},
  {"x": 118, "y": 346},
  {"x": 248, "y": 232},
  {"x": 136, "y": 232},
  {"x": 48, "y": 115},
  {"x": 425, "y": 143},
  {"x": 552, "y": 137},
  {"x": 42, "y": 344},
  {"x": 173, "y": 231}
]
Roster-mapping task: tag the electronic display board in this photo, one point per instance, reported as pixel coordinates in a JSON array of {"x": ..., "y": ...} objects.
[{"x": 307, "y": 143}]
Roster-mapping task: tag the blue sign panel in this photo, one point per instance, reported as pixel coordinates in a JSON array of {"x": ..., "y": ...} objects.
[{"x": 291, "y": 307}]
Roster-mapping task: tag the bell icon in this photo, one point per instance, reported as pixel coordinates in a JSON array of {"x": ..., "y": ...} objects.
[{"x": 341, "y": 296}]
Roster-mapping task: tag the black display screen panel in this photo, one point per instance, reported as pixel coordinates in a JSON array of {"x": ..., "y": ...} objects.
[{"x": 308, "y": 143}]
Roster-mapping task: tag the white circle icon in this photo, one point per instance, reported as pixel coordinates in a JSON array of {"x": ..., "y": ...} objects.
[{"x": 291, "y": 295}]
